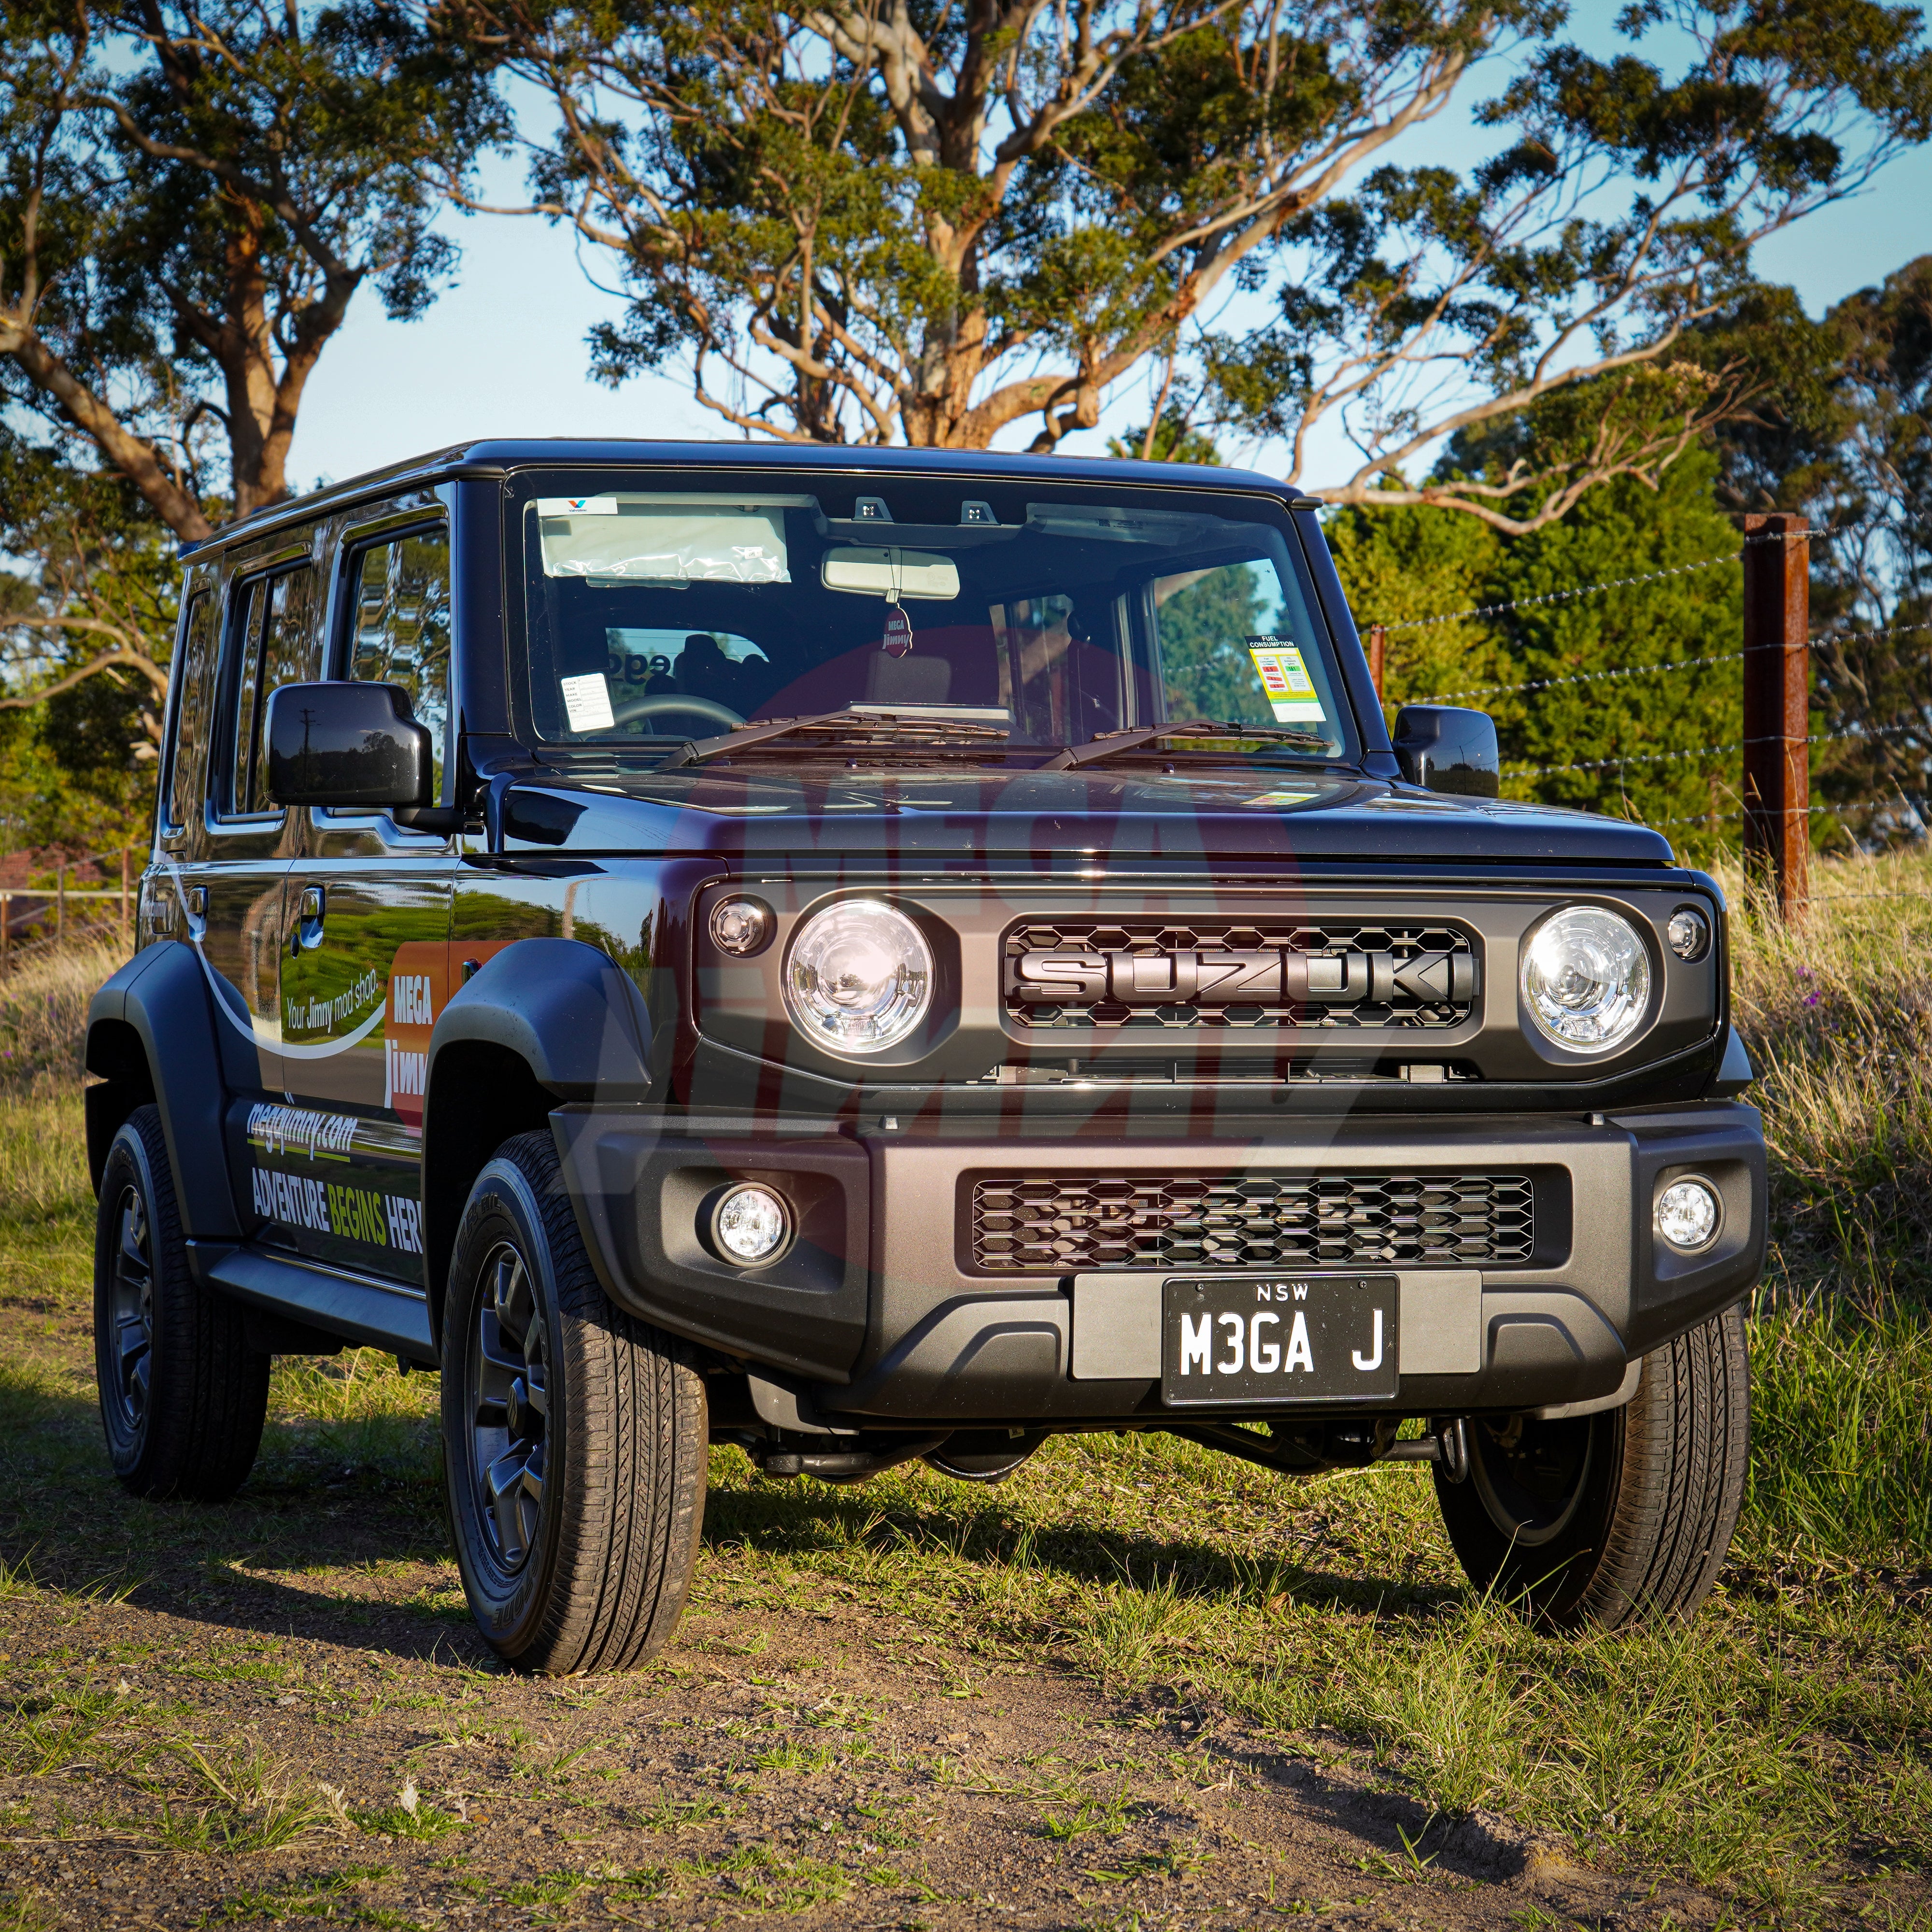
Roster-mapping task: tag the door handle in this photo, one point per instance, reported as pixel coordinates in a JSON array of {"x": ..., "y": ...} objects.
[{"x": 307, "y": 932}]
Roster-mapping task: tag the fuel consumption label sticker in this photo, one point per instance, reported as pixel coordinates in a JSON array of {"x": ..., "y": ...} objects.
[
  {"x": 586, "y": 702},
  {"x": 1291, "y": 690}
]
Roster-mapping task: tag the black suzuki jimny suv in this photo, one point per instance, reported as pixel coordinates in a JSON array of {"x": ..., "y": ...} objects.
[{"x": 870, "y": 955}]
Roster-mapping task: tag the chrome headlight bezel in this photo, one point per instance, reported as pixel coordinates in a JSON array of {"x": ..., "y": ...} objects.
[
  {"x": 1610, "y": 949},
  {"x": 853, "y": 1028}
]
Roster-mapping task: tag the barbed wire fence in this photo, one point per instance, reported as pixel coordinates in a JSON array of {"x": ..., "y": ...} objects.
[{"x": 1772, "y": 805}]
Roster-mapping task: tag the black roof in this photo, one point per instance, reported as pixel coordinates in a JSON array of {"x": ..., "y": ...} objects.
[{"x": 495, "y": 457}]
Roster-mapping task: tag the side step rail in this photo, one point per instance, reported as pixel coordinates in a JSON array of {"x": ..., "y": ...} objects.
[{"x": 358, "y": 1307}]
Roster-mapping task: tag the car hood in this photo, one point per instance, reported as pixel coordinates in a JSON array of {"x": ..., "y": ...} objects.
[{"x": 816, "y": 817}]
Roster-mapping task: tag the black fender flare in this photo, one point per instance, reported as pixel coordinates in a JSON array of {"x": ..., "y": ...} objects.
[
  {"x": 150, "y": 1036},
  {"x": 570, "y": 1013},
  {"x": 543, "y": 1023}
]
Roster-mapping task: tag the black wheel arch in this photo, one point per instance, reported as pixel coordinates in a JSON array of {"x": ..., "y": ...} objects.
[
  {"x": 544, "y": 1022},
  {"x": 151, "y": 1037}
]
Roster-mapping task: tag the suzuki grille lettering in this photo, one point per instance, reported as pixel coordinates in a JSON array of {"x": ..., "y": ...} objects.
[{"x": 1226, "y": 979}]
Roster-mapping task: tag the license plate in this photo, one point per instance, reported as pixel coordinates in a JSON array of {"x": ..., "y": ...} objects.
[{"x": 1279, "y": 1338}]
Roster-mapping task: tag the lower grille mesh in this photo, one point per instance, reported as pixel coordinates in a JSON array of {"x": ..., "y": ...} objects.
[{"x": 1065, "y": 1224}]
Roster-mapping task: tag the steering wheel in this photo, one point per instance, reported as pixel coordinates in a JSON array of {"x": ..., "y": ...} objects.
[{"x": 632, "y": 708}]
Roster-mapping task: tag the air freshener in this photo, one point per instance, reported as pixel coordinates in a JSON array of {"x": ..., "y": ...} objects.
[{"x": 897, "y": 641}]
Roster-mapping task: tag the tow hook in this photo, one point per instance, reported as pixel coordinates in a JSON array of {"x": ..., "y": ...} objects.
[{"x": 1447, "y": 1442}]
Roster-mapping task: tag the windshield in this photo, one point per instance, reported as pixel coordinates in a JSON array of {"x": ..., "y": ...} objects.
[{"x": 654, "y": 612}]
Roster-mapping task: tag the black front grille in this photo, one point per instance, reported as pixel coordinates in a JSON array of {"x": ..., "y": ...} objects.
[
  {"x": 1066, "y": 1224},
  {"x": 1414, "y": 977}
]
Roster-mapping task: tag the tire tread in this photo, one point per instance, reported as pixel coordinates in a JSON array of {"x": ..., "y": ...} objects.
[
  {"x": 209, "y": 1389},
  {"x": 1678, "y": 1455},
  {"x": 635, "y": 1449}
]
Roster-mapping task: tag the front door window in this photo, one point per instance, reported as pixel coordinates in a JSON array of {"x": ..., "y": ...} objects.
[{"x": 401, "y": 630}]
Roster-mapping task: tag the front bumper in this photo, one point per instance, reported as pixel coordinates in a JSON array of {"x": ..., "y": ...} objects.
[{"x": 883, "y": 1311}]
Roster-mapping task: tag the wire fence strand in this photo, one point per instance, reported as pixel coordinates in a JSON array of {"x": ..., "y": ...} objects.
[{"x": 1575, "y": 590}]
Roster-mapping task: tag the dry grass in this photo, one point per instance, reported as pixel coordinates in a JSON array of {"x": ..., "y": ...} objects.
[
  {"x": 44, "y": 1015},
  {"x": 1837, "y": 1013}
]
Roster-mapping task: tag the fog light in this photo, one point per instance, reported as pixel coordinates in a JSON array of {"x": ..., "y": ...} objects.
[
  {"x": 1689, "y": 933},
  {"x": 750, "y": 1225},
  {"x": 741, "y": 927},
  {"x": 1687, "y": 1215}
]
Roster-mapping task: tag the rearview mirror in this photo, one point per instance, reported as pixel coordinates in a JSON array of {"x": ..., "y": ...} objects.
[
  {"x": 1447, "y": 749},
  {"x": 354, "y": 746},
  {"x": 879, "y": 573}
]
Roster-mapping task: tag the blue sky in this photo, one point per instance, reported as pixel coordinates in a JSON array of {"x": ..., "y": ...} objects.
[{"x": 502, "y": 353}]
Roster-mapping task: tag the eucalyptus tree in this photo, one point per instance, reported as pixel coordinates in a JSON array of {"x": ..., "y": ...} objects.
[
  {"x": 192, "y": 194},
  {"x": 926, "y": 221}
]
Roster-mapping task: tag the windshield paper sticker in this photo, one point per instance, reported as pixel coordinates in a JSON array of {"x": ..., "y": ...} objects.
[
  {"x": 1291, "y": 690},
  {"x": 586, "y": 702}
]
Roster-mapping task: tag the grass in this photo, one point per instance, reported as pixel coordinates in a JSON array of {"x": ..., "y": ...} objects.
[
  {"x": 235, "y": 1799},
  {"x": 1778, "y": 1747}
]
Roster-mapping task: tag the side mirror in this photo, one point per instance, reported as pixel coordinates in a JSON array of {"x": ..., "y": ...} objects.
[
  {"x": 1447, "y": 749},
  {"x": 355, "y": 746}
]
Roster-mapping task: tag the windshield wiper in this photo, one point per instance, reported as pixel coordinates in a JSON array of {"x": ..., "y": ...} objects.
[
  {"x": 855, "y": 727},
  {"x": 1070, "y": 758}
]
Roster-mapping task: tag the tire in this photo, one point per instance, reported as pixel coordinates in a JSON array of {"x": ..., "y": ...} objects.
[
  {"x": 183, "y": 1397},
  {"x": 575, "y": 1437},
  {"x": 1610, "y": 1519}
]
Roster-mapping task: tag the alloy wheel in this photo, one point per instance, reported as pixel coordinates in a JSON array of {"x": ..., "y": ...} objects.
[
  {"x": 508, "y": 1375},
  {"x": 1530, "y": 1480},
  {"x": 133, "y": 1306}
]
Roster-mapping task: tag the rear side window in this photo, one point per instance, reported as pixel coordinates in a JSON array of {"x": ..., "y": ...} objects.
[
  {"x": 194, "y": 679},
  {"x": 399, "y": 626},
  {"x": 272, "y": 642}
]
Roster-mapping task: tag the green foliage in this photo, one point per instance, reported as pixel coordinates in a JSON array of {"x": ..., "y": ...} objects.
[
  {"x": 190, "y": 199},
  {"x": 1641, "y": 731},
  {"x": 1848, "y": 443},
  {"x": 87, "y": 613},
  {"x": 1399, "y": 565},
  {"x": 1845, "y": 439},
  {"x": 929, "y": 224},
  {"x": 1677, "y": 729},
  {"x": 1176, "y": 439}
]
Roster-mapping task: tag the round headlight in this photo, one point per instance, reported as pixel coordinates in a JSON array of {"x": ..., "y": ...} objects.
[
  {"x": 1686, "y": 1214},
  {"x": 750, "y": 1224},
  {"x": 1586, "y": 979},
  {"x": 860, "y": 977}
]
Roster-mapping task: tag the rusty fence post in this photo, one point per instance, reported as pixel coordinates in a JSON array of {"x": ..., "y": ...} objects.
[
  {"x": 1378, "y": 652},
  {"x": 1777, "y": 703}
]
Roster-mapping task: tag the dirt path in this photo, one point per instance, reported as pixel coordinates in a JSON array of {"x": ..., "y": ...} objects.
[
  {"x": 277, "y": 1711},
  {"x": 287, "y": 1718}
]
